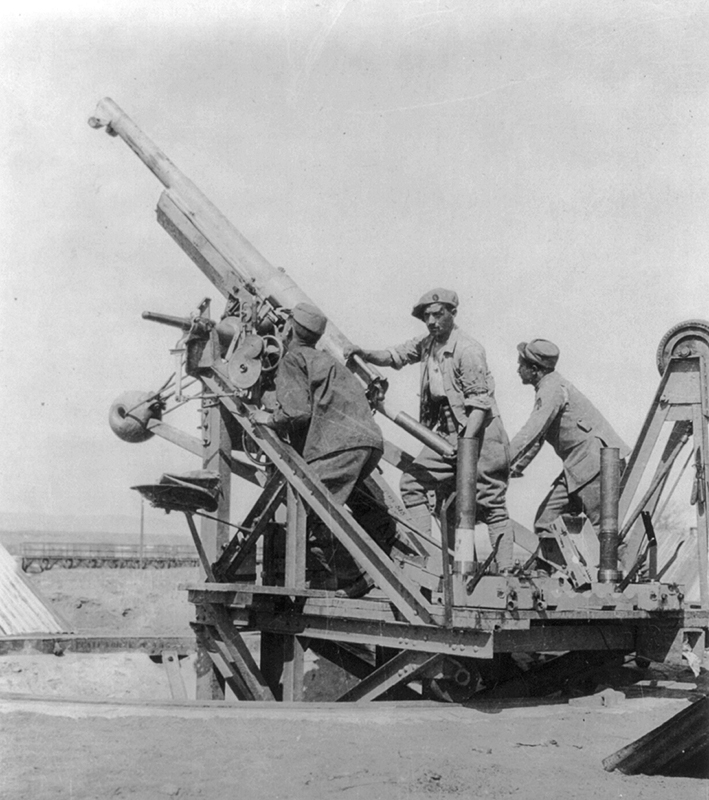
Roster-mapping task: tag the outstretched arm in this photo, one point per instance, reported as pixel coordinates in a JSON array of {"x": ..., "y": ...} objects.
[
  {"x": 549, "y": 401},
  {"x": 380, "y": 358}
]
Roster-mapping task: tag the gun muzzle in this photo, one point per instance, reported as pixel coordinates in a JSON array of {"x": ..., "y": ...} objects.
[{"x": 184, "y": 323}]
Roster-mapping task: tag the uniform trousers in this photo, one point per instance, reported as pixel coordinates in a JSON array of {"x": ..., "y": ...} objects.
[
  {"x": 431, "y": 472},
  {"x": 339, "y": 472},
  {"x": 560, "y": 500}
]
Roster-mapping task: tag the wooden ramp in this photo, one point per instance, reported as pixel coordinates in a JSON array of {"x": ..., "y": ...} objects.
[
  {"x": 22, "y": 610},
  {"x": 680, "y": 747}
]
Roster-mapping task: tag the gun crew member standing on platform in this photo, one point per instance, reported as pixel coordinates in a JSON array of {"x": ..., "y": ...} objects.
[
  {"x": 575, "y": 429},
  {"x": 323, "y": 409},
  {"x": 457, "y": 400}
]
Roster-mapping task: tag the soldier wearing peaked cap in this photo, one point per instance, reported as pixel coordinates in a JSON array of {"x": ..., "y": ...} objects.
[
  {"x": 457, "y": 399},
  {"x": 576, "y": 430},
  {"x": 323, "y": 410}
]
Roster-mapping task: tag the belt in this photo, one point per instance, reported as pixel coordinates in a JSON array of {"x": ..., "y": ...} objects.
[{"x": 443, "y": 418}]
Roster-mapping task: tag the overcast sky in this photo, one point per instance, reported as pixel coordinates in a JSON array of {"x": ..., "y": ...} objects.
[{"x": 548, "y": 160}]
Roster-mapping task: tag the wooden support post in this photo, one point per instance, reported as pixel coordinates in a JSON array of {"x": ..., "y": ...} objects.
[
  {"x": 293, "y": 651},
  {"x": 171, "y": 662},
  {"x": 402, "y": 592},
  {"x": 216, "y": 454},
  {"x": 271, "y": 658},
  {"x": 293, "y": 667},
  {"x": 254, "y": 524},
  {"x": 295, "y": 541},
  {"x": 232, "y": 644}
]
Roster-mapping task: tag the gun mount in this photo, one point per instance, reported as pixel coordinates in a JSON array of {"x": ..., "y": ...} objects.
[{"x": 436, "y": 628}]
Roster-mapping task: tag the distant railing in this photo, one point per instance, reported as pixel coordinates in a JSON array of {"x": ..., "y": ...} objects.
[{"x": 40, "y": 556}]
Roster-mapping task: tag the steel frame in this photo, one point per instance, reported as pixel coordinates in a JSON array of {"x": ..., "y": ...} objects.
[
  {"x": 422, "y": 630},
  {"x": 427, "y": 618}
]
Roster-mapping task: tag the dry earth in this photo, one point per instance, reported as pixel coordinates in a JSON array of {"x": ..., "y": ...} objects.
[{"x": 144, "y": 746}]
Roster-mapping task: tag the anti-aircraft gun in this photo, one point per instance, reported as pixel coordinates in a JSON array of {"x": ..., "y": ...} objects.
[{"x": 449, "y": 633}]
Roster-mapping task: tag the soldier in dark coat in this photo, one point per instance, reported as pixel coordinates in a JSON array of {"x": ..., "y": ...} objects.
[
  {"x": 323, "y": 410},
  {"x": 573, "y": 426}
]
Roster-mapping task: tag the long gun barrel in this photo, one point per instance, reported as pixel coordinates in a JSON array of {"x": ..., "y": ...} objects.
[
  {"x": 184, "y": 323},
  {"x": 227, "y": 259}
]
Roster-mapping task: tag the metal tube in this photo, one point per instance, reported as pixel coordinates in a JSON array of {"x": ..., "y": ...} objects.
[
  {"x": 466, "y": 484},
  {"x": 243, "y": 262},
  {"x": 184, "y": 323},
  {"x": 609, "y": 539},
  {"x": 419, "y": 431}
]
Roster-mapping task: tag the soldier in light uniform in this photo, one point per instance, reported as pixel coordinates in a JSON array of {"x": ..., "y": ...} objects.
[
  {"x": 457, "y": 400},
  {"x": 576, "y": 430}
]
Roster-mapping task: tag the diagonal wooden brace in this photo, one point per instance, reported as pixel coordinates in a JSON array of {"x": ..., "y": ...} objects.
[
  {"x": 231, "y": 656},
  {"x": 255, "y": 522},
  {"x": 402, "y": 668},
  {"x": 400, "y": 590}
]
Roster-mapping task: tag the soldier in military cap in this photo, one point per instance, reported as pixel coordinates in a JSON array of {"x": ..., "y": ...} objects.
[
  {"x": 576, "y": 430},
  {"x": 323, "y": 410},
  {"x": 457, "y": 399}
]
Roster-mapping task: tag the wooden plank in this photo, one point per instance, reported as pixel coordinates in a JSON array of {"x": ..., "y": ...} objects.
[
  {"x": 171, "y": 662},
  {"x": 255, "y": 522},
  {"x": 472, "y": 643},
  {"x": 239, "y": 655},
  {"x": 216, "y": 454},
  {"x": 402, "y": 592},
  {"x": 203, "y": 559},
  {"x": 81, "y": 643},
  {"x": 404, "y": 667},
  {"x": 295, "y": 541},
  {"x": 293, "y": 667},
  {"x": 210, "y": 645},
  {"x": 680, "y": 742},
  {"x": 271, "y": 659},
  {"x": 192, "y": 444}
]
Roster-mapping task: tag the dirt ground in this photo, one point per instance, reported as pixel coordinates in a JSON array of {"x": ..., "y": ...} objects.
[{"x": 102, "y": 726}]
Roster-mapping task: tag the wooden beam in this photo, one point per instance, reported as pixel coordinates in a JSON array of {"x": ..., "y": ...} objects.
[
  {"x": 254, "y": 524},
  {"x": 216, "y": 454},
  {"x": 58, "y": 644},
  {"x": 192, "y": 444},
  {"x": 171, "y": 662},
  {"x": 400, "y": 591},
  {"x": 239, "y": 655},
  {"x": 403, "y": 668},
  {"x": 680, "y": 743}
]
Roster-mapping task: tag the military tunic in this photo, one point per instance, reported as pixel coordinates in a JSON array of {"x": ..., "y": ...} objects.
[
  {"x": 577, "y": 431},
  {"x": 324, "y": 410},
  {"x": 321, "y": 405},
  {"x": 467, "y": 384}
]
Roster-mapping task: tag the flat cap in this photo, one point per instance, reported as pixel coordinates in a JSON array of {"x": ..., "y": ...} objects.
[
  {"x": 541, "y": 352},
  {"x": 445, "y": 296},
  {"x": 310, "y": 317}
]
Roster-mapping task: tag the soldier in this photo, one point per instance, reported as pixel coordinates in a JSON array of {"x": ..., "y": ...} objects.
[
  {"x": 324, "y": 411},
  {"x": 575, "y": 429},
  {"x": 457, "y": 399}
]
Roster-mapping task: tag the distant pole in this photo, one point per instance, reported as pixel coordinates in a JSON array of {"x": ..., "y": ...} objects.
[{"x": 141, "y": 543}]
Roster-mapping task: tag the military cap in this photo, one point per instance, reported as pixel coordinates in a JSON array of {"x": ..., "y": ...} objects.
[
  {"x": 541, "y": 352},
  {"x": 310, "y": 317},
  {"x": 445, "y": 296}
]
